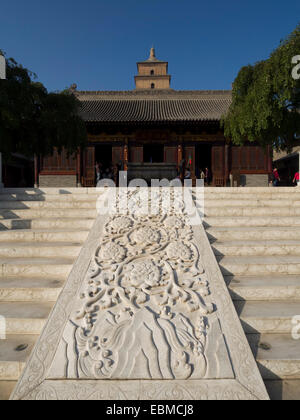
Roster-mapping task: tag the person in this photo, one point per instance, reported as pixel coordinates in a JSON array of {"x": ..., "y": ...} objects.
[
  {"x": 107, "y": 174},
  {"x": 202, "y": 174},
  {"x": 296, "y": 179},
  {"x": 98, "y": 172},
  {"x": 187, "y": 174},
  {"x": 207, "y": 176},
  {"x": 182, "y": 170},
  {"x": 276, "y": 177},
  {"x": 116, "y": 172}
]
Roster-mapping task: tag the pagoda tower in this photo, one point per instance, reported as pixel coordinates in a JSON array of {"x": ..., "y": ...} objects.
[{"x": 152, "y": 73}]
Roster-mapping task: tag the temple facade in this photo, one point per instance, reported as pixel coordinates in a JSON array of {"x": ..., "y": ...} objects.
[{"x": 152, "y": 131}]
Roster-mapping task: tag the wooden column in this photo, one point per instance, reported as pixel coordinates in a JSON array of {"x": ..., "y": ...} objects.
[
  {"x": 226, "y": 163},
  {"x": 180, "y": 159},
  {"x": 126, "y": 157},
  {"x": 180, "y": 154}
]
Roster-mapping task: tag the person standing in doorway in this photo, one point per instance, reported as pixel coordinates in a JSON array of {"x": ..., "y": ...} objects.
[
  {"x": 207, "y": 176},
  {"x": 276, "y": 177},
  {"x": 116, "y": 172},
  {"x": 98, "y": 172}
]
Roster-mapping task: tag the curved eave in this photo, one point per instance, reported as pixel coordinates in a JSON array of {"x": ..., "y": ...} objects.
[
  {"x": 153, "y": 123},
  {"x": 153, "y": 111}
]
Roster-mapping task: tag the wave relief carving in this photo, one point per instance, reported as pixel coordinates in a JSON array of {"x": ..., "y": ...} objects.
[{"x": 145, "y": 306}]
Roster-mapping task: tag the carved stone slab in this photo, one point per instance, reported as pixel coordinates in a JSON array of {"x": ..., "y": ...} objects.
[{"x": 145, "y": 314}]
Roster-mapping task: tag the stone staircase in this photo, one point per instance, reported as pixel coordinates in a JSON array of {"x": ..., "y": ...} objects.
[
  {"x": 255, "y": 234},
  {"x": 41, "y": 235}
]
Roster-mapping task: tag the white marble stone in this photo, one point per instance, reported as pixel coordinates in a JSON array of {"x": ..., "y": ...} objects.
[
  {"x": 145, "y": 314},
  {"x": 257, "y": 245}
]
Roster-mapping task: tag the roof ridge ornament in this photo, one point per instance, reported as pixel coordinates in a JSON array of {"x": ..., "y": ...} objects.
[{"x": 152, "y": 53}]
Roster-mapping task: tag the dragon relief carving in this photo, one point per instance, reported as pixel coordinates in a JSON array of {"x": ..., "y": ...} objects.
[{"x": 145, "y": 304}]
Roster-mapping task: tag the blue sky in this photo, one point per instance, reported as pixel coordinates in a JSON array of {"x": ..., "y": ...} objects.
[{"x": 96, "y": 43}]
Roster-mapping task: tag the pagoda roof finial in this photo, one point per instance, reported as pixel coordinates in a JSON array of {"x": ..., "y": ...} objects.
[
  {"x": 152, "y": 53},
  {"x": 152, "y": 56}
]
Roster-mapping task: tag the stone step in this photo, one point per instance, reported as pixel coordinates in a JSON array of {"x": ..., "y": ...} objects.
[
  {"x": 36, "y": 267},
  {"x": 6, "y": 388},
  {"x": 250, "y": 211},
  {"x": 40, "y": 238},
  {"x": 14, "y": 353},
  {"x": 252, "y": 203},
  {"x": 262, "y": 288},
  {"x": 44, "y": 235},
  {"x": 251, "y": 233},
  {"x": 258, "y": 221},
  {"x": 208, "y": 190},
  {"x": 49, "y": 223},
  {"x": 251, "y": 206},
  {"x": 277, "y": 355},
  {"x": 257, "y": 244},
  {"x": 250, "y": 190},
  {"x": 23, "y": 205},
  {"x": 18, "y": 205},
  {"x": 259, "y": 265},
  {"x": 266, "y": 317},
  {"x": 50, "y": 191},
  {"x": 39, "y": 249},
  {"x": 25, "y": 317},
  {"x": 256, "y": 248},
  {"x": 247, "y": 196},
  {"x": 283, "y": 390},
  {"x": 50, "y": 197},
  {"x": 48, "y": 213},
  {"x": 16, "y": 289}
]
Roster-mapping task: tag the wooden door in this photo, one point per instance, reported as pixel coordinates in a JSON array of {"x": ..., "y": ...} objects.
[
  {"x": 218, "y": 166},
  {"x": 89, "y": 167},
  {"x": 189, "y": 157},
  {"x": 251, "y": 159},
  {"x": 117, "y": 155},
  {"x": 171, "y": 154},
  {"x": 136, "y": 154}
]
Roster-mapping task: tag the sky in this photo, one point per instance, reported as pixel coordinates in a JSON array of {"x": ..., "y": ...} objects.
[{"x": 96, "y": 43}]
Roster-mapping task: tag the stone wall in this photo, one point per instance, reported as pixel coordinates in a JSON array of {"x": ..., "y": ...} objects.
[
  {"x": 159, "y": 69},
  {"x": 52, "y": 181},
  {"x": 160, "y": 82},
  {"x": 255, "y": 180}
]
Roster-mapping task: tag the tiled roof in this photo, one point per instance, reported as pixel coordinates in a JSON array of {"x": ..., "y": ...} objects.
[{"x": 153, "y": 106}]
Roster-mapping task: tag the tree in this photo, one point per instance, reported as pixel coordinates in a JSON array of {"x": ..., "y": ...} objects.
[
  {"x": 33, "y": 121},
  {"x": 266, "y": 100}
]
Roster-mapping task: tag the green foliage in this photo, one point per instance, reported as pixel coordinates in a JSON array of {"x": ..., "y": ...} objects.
[
  {"x": 33, "y": 121},
  {"x": 266, "y": 100}
]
